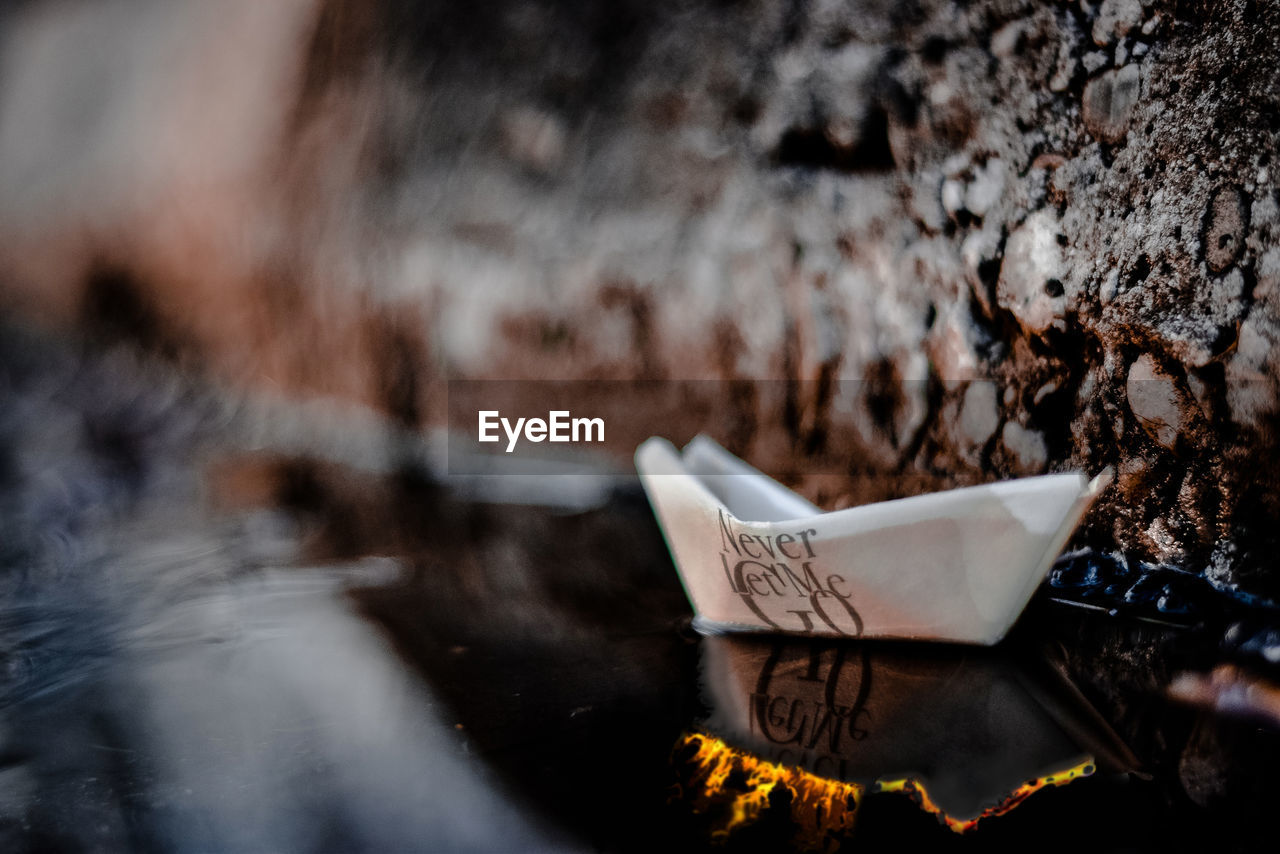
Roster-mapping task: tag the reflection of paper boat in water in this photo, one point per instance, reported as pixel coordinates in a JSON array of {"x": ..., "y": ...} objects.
[
  {"x": 974, "y": 731},
  {"x": 955, "y": 566}
]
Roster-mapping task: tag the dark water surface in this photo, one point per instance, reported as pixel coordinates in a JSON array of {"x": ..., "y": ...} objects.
[
  {"x": 207, "y": 647},
  {"x": 580, "y": 714}
]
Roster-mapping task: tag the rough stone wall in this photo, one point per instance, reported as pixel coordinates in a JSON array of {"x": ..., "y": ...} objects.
[{"x": 976, "y": 240}]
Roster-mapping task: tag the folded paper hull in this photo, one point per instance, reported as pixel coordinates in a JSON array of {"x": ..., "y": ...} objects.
[{"x": 954, "y": 566}]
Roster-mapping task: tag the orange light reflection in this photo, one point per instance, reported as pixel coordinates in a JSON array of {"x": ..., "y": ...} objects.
[{"x": 822, "y": 810}]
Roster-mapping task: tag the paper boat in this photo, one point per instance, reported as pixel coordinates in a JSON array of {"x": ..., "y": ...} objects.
[{"x": 953, "y": 566}]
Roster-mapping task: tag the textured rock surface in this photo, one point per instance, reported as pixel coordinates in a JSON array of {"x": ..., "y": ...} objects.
[{"x": 875, "y": 203}]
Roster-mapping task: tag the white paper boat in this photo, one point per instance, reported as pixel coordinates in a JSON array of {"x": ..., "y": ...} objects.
[{"x": 953, "y": 566}]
